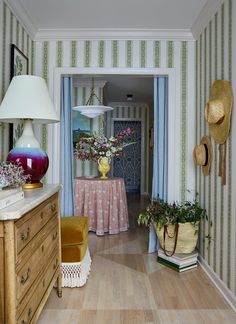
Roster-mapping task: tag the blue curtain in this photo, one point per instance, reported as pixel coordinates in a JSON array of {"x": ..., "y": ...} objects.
[
  {"x": 66, "y": 155},
  {"x": 159, "y": 183}
]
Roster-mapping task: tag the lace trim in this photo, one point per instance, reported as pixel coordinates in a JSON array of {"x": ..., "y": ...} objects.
[{"x": 75, "y": 274}]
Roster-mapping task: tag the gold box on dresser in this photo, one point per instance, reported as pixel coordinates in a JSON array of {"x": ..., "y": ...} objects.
[{"x": 30, "y": 255}]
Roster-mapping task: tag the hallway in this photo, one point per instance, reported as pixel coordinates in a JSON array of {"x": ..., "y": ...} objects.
[{"x": 127, "y": 285}]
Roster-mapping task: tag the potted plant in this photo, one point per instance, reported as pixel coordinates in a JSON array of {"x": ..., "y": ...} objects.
[{"x": 176, "y": 225}]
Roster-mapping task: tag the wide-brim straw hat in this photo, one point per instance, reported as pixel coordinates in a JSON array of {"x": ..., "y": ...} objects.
[
  {"x": 202, "y": 154},
  {"x": 218, "y": 110}
]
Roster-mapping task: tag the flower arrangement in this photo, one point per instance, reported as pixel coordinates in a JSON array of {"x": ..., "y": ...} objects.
[
  {"x": 162, "y": 213},
  {"x": 95, "y": 146},
  {"x": 12, "y": 175}
]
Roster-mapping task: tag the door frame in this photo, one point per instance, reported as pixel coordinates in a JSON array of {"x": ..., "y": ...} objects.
[
  {"x": 142, "y": 191},
  {"x": 53, "y": 174}
]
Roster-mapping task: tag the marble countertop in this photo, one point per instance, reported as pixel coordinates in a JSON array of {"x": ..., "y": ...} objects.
[{"x": 33, "y": 198}]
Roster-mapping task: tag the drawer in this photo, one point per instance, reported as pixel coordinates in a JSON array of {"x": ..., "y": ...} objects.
[
  {"x": 37, "y": 262},
  {"x": 32, "y": 300},
  {"x": 40, "y": 237},
  {"x": 28, "y": 226}
]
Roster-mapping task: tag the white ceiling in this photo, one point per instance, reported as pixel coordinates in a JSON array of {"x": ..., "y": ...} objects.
[
  {"x": 110, "y": 14},
  {"x": 118, "y": 86}
]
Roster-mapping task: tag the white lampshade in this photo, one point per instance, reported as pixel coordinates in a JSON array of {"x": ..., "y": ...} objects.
[{"x": 28, "y": 98}]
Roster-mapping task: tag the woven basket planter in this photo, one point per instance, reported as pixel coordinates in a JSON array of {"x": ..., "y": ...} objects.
[{"x": 179, "y": 238}]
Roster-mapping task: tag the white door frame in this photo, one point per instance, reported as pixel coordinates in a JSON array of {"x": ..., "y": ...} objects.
[
  {"x": 53, "y": 175},
  {"x": 142, "y": 191}
]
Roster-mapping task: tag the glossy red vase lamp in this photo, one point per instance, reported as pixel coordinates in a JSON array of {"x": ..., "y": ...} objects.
[{"x": 27, "y": 99}]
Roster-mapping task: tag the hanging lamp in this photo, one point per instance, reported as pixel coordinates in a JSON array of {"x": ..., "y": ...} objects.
[{"x": 92, "y": 111}]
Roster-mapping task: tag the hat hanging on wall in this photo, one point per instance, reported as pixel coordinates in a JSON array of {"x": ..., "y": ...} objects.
[
  {"x": 218, "y": 115},
  {"x": 202, "y": 154},
  {"x": 218, "y": 110}
]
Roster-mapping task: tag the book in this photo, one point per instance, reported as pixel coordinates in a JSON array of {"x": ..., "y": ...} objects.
[
  {"x": 176, "y": 268},
  {"x": 8, "y": 192},
  {"x": 177, "y": 265},
  {"x": 11, "y": 199},
  {"x": 179, "y": 258}
]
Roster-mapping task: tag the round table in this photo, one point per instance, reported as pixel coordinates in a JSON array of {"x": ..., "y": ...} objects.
[{"x": 104, "y": 202}]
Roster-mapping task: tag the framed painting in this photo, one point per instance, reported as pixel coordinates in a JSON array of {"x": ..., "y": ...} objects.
[
  {"x": 80, "y": 125},
  {"x": 19, "y": 66},
  {"x": 19, "y": 62}
]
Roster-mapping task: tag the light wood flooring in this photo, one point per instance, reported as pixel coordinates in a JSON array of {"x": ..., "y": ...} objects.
[{"x": 126, "y": 285}]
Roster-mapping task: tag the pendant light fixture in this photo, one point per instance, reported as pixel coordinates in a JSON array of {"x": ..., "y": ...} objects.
[{"x": 92, "y": 111}]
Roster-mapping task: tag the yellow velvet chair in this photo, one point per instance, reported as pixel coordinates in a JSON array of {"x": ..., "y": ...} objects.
[{"x": 76, "y": 261}]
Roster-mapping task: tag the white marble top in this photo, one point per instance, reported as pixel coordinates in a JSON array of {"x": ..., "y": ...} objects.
[{"x": 33, "y": 198}]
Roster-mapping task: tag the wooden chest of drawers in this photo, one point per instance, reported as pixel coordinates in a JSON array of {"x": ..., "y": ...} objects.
[{"x": 29, "y": 259}]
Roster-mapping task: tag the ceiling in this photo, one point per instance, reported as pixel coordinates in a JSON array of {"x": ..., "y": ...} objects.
[
  {"x": 109, "y": 14},
  {"x": 118, "y": 86}
]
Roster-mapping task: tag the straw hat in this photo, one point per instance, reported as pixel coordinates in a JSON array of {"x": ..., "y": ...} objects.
[
  {"x": 202, "y": 154},
  {"x": 218, "y": 110}
]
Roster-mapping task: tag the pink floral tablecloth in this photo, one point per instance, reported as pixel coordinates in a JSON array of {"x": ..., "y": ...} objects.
[{"x": 104, "y": 202}]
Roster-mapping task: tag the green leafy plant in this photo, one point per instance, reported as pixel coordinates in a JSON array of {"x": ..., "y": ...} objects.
[{"x": 162, "y": 213}]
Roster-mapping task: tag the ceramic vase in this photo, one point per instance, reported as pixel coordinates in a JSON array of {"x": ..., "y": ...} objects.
[{"x": 104, "y": 167}]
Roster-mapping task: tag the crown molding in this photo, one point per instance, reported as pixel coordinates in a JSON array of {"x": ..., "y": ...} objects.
[
  {"x": 22, "y": 16},
  {"x": 111, "y": 34},
  {"x": 208, "y": 11}
]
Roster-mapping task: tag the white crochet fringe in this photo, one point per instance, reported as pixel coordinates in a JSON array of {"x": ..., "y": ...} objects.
[{"x": 75, "y": 274}]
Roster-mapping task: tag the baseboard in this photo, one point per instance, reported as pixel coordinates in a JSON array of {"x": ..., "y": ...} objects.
[{"x": 220, "y": 285}]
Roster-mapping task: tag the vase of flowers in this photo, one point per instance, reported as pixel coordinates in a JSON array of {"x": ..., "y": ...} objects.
[
  {"x": 104, "y": 166},
  {"x": 97, "y": 147},
  {"x": 12, "y": 175}
]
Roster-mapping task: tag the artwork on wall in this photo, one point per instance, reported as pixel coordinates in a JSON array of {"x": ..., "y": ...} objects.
[
  {"x": 19, "y": 62},
  {"x": 19, "y": 66},
  {"x": 80, "y": 125}
]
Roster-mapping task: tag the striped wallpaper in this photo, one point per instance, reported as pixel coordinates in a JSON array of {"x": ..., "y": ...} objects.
[
  {"x": 134, "y": 111},
  {"x": 81, "y": 95},
  {"x": 214, "y": 61},
  {"x": 196, "y": 64},
  {"x": 179, "y": 55},
  {"x": 11, "y": 32}
]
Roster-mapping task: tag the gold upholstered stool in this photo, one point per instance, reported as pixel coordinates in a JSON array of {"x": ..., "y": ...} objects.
[{"x": 76, "y": 261}]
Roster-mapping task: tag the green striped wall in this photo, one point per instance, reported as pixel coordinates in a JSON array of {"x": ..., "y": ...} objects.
[
  {"x": 134, "y": 54},
  {"x": 11, "y": 31},
  {"x": 214, "y": 61},
  {"x": 81, "y": 95}
]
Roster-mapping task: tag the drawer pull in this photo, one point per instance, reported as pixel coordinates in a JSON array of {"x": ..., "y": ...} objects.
[
  {"x": 54, "y": 236},
  {"x": 29, "y": 315},
  {"x": 24, "y": 279},
  {"x": 41, "y": 215},
  {"x": 53, "y": 208},
  {"x": 25, "y": 237},
  {"x": 55, "y": 264},
  {"x": 42, "y": 248}
]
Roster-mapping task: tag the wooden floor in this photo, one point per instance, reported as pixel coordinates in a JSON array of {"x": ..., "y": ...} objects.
[{"x": 127, "y": 285}]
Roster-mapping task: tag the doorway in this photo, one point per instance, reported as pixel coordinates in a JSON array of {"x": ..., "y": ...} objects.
[
  {"x": 53, "y": 175},
  {"x": 128, "y": 166}
]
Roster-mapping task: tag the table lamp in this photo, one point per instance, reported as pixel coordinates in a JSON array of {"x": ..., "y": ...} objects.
[{"x": 27, "y": 99}]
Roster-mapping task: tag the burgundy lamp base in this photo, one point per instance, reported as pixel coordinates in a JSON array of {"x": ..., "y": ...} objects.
[{"x": 34, "y": 162}]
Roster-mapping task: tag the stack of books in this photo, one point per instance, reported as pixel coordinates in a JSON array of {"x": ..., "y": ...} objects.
[
  {"x": 179, "y": 261},
  {"x": 10, "y": 196}
]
